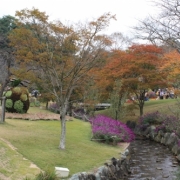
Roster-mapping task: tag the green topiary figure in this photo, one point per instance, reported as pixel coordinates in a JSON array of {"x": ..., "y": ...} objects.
[{"x": 17, "y": 100}]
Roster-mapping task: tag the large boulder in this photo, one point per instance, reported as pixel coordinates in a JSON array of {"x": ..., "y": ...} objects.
[{"x": 172, "y": 140}]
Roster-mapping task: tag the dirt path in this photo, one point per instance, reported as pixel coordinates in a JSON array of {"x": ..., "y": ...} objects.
[
  {"x": 32, "y": 116},
  {"x": 35, "y": 116}
]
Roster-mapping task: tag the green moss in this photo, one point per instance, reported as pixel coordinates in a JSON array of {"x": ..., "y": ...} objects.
[
  {"x": 23, "y": 97},
  {"x": 9, "y": 103},
  {"x": 8, "y": 93},
  {"x": 18, "y": 106}
]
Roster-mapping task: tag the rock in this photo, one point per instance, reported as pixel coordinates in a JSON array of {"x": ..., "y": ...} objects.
[
  {"x": 165, "y": 175},
  {"x": 146, "y": 132},
  {"x": 171, "y": 140},
  {"x": 158, "y": 160},
  {"x": 178, "y": 157},
  {"x": 152, "y": 133},
  {"x": 165, "y": 138},
  {"x": 159, "y": 136}
]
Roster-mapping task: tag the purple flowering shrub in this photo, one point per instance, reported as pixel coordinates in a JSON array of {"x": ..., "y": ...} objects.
[
  {"x": 171, "y": 124},
  {"x": 54, "y": 108},
  {"x": 151, "y": 118},
  {"x": 166, "y": 123},
  {"x": 106, "y": 129}
]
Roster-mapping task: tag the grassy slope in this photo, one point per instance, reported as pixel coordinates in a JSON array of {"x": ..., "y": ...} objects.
[
  {"x": 38, "y": 141},
  {"x": 13, "y": 166},
  {"x": 149, "y": 106}
]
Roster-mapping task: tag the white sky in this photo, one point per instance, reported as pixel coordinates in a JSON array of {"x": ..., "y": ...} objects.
[{"x": 127, "y": 11}]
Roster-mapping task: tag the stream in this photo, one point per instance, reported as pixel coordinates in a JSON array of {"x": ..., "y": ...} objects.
[{"x": 152, "y": 161}]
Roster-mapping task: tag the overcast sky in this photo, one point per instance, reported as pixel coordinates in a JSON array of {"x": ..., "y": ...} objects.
[{"x": 127, "y": 11}]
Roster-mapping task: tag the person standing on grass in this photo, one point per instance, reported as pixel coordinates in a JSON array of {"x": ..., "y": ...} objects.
[
  {"x": 161, "y": 94},
  {"x": 171, "y": 93},
  {"x": 158, "y": 94}
]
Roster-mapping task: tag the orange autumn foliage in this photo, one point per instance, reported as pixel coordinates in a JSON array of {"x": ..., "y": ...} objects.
[
  {"x": 172, "y": 63},
  {"x": 138, "y": 68}
]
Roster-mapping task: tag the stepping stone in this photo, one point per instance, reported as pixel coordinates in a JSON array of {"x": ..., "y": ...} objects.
[
  {"x": 165, "y": 176},
  {"x": 158, "y": 160}
]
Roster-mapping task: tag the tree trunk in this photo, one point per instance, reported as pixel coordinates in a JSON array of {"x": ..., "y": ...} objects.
[
  {"x": 63, "y": 127},
  {"x": 63, "y": 132},
  {"x": 141, "y": 110},
  {"x": 47, "y": 105}
]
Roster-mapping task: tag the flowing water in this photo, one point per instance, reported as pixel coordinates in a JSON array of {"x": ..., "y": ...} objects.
[{"x": 152, "y": 161}]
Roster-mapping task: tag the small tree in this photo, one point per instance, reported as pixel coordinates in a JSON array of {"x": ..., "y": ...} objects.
[
  {"x": 59, "y": 55},
  {"x": 117, "y": 99},
  {"x": 138, "y": 68}
]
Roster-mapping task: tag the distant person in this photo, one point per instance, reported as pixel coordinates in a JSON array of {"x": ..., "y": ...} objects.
[
  {"x": 146, "y": 97},
  {"x": 171, "y": 94},
  {"x": 35, "y": 93},
  {"x": 158, "y": 94},
  {"x": 161, "y": 94}
]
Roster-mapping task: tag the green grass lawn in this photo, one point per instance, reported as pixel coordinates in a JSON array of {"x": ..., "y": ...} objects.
[
  {"x": 149, "y": 106},
  {"x": 13, "y": 165},
  {"x": 38, "y": 141}
]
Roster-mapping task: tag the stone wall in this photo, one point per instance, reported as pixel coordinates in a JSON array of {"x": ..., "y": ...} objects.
[
  {"x": 169, "y": 139},
  {"x": 113, "y": 170}
]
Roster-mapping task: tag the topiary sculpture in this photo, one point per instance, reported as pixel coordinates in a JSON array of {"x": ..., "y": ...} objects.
[{"x": 17, "y": 98}]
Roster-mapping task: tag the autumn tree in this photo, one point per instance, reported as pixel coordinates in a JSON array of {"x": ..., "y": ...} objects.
[
  {"x": 58, "y": 54},
  {"x": 138, "y": 70},
  {"x": 109, "y": 85},
  {"x": 171, "y": 64}
]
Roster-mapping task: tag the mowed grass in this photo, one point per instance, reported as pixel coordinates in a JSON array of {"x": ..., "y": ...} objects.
[
  {"x": 152, "y": 105},
  {"x": 13, "y": 165},
  {"x": 38, "y": 141},
  {"x": 164, "y": 106}
]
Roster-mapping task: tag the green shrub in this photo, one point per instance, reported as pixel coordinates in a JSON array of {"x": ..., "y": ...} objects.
[
  {"x": 47, "y": 175},
  {"x": 9, "y": 103},
  {"x": 20, "y": 100},
  {"x": 151, "y": 118},
  {"x": 23, "y": 97},
  {"x": 17, "y": 90},
  {"x": 35, "y": 104},
  {"x": 18, "y": 106},
  {"x": 8, "y": 93}
]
